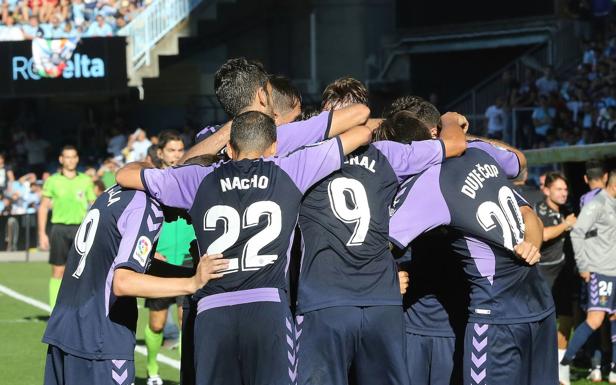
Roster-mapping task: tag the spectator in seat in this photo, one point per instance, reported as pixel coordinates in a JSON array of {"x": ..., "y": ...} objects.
[
  {"x": 9, "y": 31},
  {"x": 32, "y": 29},
  {"x": 100, "y": 28},
  {"x": 496, "y": 119},
  {"x": 546, "y": 84},
  {"x": 543, "y": 115}
]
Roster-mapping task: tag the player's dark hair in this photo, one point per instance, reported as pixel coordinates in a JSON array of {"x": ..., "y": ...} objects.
[
  {"x": 402, "y": 127},
  {"x": 68, "y": 147},
  {"x": 203, "y": 160},
  {"x": 308, "y": 112},
  {"x": 552, "y": 177},
  {"x": 344, "y": 92},
  {"x": 285, "y": 95},
  {"x": 252, "y": 131},
  {"x": 421, "y": 109},
  {"x": 594, "y": 170},
  {"x": 153, "y": 155},
  {"x": 168, "y": 136},
  {"x": 236, "y": 82}
]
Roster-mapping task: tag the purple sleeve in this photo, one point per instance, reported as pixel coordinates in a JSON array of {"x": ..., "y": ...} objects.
[
  {"x": 310, "y": 164},
  {"x": 206, "y": 133},
  {"x": 418, "y": 207},
  {"x": 508, "y": 160},
  {"x": 174, "y": 186},
  {"x": 139, "y": 225},
  {"x": 413, "y": 158},
  {"x": 298, "y": 134}
]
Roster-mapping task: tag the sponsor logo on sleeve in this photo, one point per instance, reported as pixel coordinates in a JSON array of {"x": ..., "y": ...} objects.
[{"x": 142, "y": 250}]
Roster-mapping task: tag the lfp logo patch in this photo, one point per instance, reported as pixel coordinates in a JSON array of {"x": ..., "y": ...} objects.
[{"x": 142, "y": 250}]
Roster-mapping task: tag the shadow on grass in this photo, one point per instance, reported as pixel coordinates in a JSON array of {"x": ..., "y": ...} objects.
[{"x": 41, "y": 318}]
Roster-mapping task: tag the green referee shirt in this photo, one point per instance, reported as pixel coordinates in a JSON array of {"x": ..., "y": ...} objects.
[
  {"x": 174, "y": 241},
  {"x": 70, "y": 197}
]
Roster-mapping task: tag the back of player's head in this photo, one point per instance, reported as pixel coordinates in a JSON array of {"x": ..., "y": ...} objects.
[
  {"x": 168, "y": 136},
  {"x": 594, "y": 170},
  {"x": 285, "y": 95},
  {"x": 152, "y": 156},
  {"x": 236, "y": 83},
  {"x": 552, "y": 177},
  {"x": 402, "y": 127},
  {"x": 252, "y": 131},
  {"x": 342, "y": 93},
  {"x": 421, "y": 109}
]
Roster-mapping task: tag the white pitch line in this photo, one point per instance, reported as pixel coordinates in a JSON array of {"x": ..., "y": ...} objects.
[{"x": 45, "y": 307}]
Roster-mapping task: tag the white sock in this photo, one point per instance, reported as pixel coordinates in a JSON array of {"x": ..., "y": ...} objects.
[{"x": 561, "y": 354}]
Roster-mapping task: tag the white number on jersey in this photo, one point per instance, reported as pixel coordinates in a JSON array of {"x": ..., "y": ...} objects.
[
  {"x": 85, "y": 238},
  {"x": 506, "y": 213},
  {"x": 359, "y": 214},
  {"x": 250, "y": 259},
  {"x": 605, "y": 288}
]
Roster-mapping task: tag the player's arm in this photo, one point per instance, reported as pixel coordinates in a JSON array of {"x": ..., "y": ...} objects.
[
  {"x": 127, "y": 282},
  {"x": 452, "y": 134},
  {"x": 551, "y": 232},
  {"x": 346, "y": 118},
  {"x": 528, "y": 249},
  {"x": 354, "y": 138},
  {"x": 501, "y": 152},
  {"x": 42, "y": 214},
  {"x": 211, "y": 145},
  {"x": 129, "y": 176},
  {"x": 581, "y": 234}
]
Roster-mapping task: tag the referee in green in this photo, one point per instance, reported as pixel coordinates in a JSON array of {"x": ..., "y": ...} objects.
[{"x": 70, "y": 193}]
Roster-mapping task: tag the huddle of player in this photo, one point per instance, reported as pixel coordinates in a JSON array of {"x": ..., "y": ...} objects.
[{"x": 354, "y": 186}]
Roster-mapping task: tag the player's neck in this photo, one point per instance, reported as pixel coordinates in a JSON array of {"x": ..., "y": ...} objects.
[
  {"x": 250, "y": 155},
  {"x": 68, "y": 173},
  {"x": 552, "y": 205},
  {"x": 593, "y": 184}
]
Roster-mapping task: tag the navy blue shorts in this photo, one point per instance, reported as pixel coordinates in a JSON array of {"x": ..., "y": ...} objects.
[
  {"x": 366, "y": 344},
  {"x": 245, "y": 337},
  {"x": 62, "y": 368},
  {"x": 600, "y": 293},
  {"x": 521, "y": 354},
  {"x": 430, "y": 359}
]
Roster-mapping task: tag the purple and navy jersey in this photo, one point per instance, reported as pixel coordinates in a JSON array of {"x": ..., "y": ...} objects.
[
  {"x": 436, "y": 301},
  {"x": 472, "y": 196},
  {"x": 119, "y": 231},
  {"x": 290, "y": 136},
  {"x": 507, "y": 160},
  {"x": 344, "y": 221},
  {"x": 247, "y": 210},
  {"x": 584, "y": 199}
]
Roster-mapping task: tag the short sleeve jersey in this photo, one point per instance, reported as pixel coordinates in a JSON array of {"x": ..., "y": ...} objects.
[
  {"x": 436, "y": 301},
  {"x": 70, "y": 197},
  {"x": 552, "y": 251},
  {"x": 471, "y": 195},
  {"x": 344, "y": 221},
  {"x": 247, "y": 210},
  {"x": 119, "y": 231},
  {"x": 290, "y": 136}
]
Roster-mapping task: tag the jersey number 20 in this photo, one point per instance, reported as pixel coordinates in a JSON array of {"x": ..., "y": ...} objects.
[
  {"x": 507, "y": 215},
  {"x": 85, "y": 238},
  {"x": 250, "y": 259}
]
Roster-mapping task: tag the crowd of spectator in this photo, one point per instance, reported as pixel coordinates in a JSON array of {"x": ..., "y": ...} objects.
[
  {"x": 54, "y": 19},
  {"x": 550, "y": 111}
]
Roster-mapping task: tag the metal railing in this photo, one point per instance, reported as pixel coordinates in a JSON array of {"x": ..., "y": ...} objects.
[{"x": 151, "y": 25}]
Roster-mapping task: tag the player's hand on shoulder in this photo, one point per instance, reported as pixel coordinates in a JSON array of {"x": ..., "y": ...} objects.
[
  {"x": 585, "y": 276},
  {"x": 453, "y": 118},
  {"x": 527, "y": 252},
  {"x": 209, "y": 267},
  {"x": 404, "y": 281}
]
